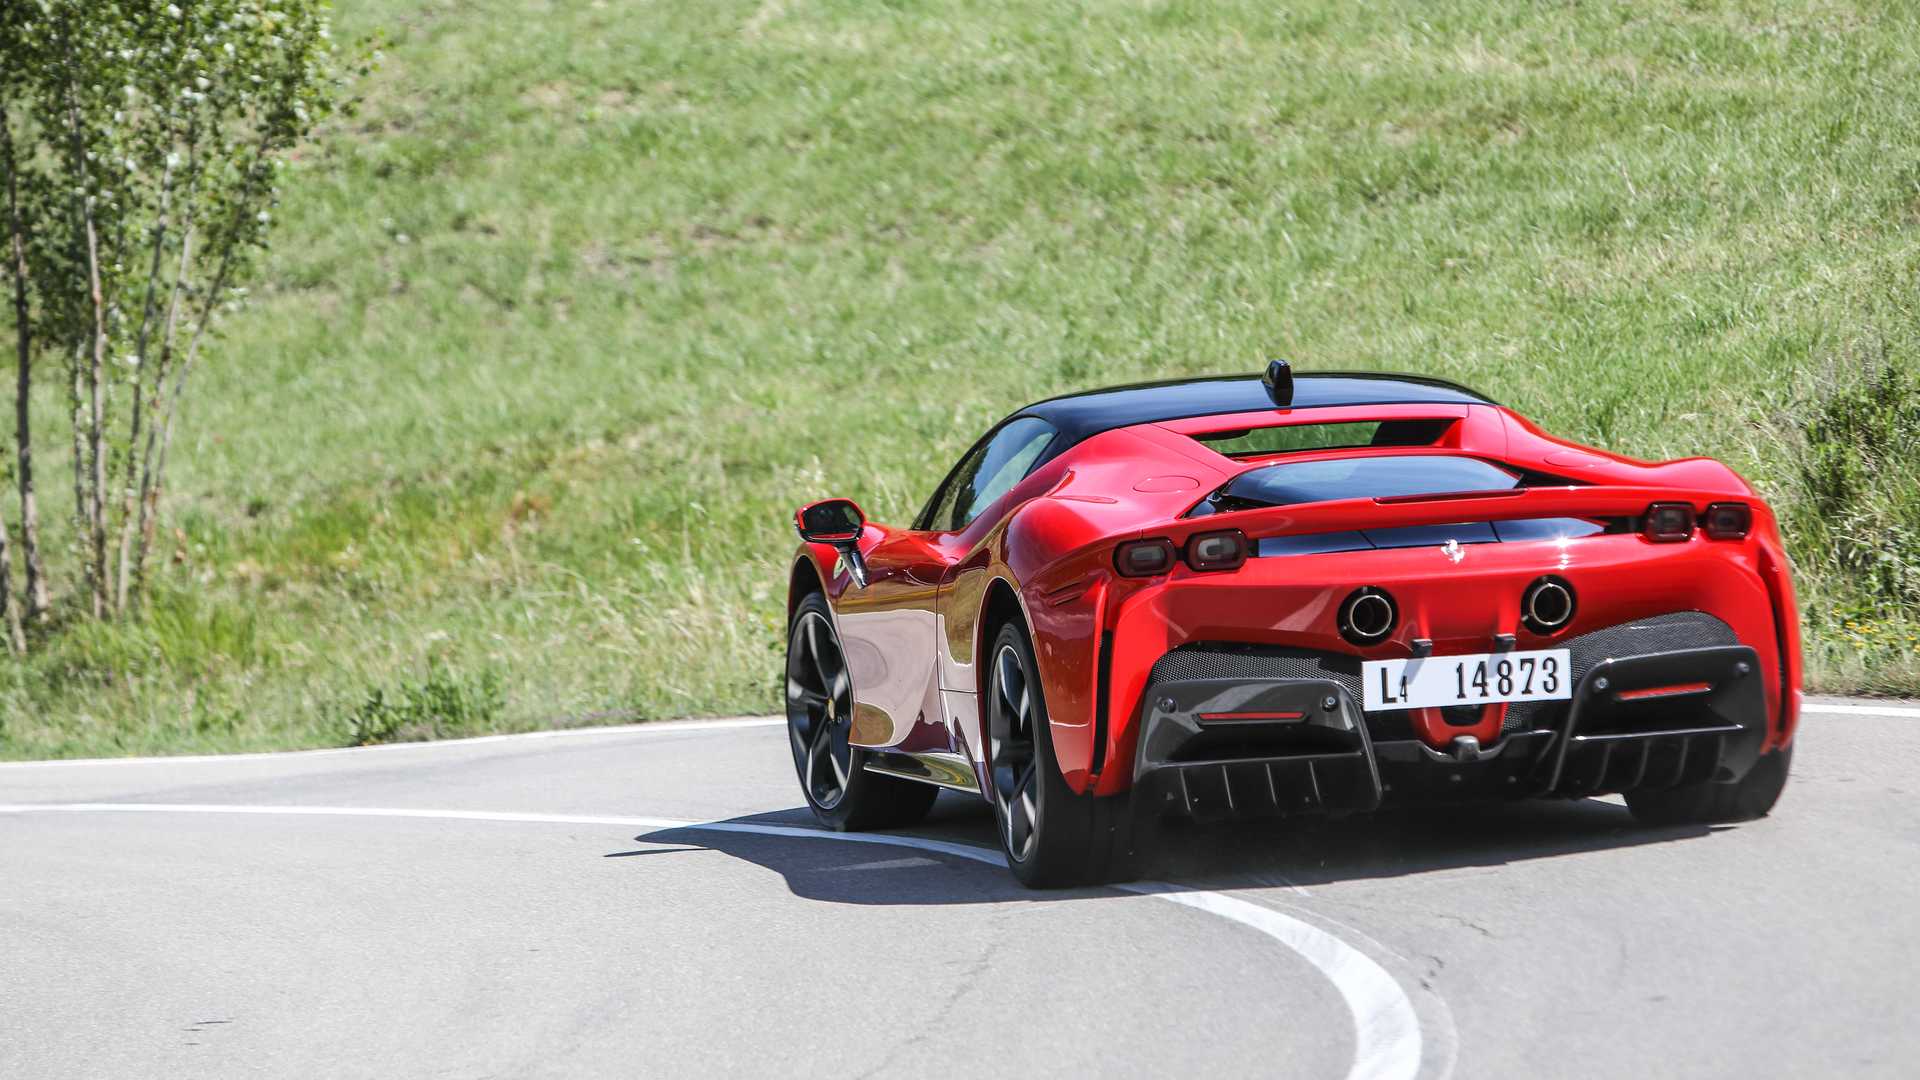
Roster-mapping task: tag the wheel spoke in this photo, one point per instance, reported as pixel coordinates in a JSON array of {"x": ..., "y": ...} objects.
[
  {"x": 813, "y": 645},
  {"x": 819, "y": 710},
  {"x": 1003, "y": 781},
  {"x": 822, "y": 733},
  {"x": 799, "y": 693},
  {"x": 1010, "y": 681},
  {"x": 1019, "y": 827},
  {"x": 840, "y": 759},
  {"x": 820, "y": 778}
]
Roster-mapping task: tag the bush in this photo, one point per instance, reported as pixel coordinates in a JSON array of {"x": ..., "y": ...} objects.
[
  {"x": 1857, "y": 516},
  {"x": 1852, "y": 524},
  {"x": 441, "y": 705}
]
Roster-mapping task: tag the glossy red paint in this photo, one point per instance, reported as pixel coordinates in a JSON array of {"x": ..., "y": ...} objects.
[{"x": 1044, "y": 550}]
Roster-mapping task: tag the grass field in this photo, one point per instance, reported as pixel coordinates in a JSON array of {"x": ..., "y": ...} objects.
[{"x": 589, "y": 295}]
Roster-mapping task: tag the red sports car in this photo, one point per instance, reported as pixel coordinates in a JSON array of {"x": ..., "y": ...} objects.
[{"x": 1281, "y": 594}]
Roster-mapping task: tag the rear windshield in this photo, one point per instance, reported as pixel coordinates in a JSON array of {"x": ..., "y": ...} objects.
[
  {"x": 1294, "y": 438},
  {"x": 1357, "y": 478}
]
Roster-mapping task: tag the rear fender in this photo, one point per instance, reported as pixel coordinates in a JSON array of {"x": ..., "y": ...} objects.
[{"x": 1057, "y": 564}]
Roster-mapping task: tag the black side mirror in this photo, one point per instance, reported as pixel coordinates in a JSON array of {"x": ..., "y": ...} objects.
[{"x": 838, "y": 522}]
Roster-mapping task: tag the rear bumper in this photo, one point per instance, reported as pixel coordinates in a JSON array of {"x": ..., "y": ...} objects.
[
  {"x": 1629, "y": 592},
  {"x": 1220, "y": 748}
]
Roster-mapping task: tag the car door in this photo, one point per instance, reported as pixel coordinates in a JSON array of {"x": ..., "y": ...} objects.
[
  {"x": 888, "y": 631},
  {"x": 891, "y": 628}
]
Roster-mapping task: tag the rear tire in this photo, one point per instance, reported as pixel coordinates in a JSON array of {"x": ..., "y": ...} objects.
[
  {"x": 1052, "y": 837},
  {"x": 1710, "y": 803},
  {"x": 842, "y": 794}
]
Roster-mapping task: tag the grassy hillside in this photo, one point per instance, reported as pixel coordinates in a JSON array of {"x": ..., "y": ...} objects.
[{"x": 559, "y": 328}]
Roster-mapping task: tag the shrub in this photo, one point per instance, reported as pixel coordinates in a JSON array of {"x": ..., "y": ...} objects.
[
  {"x": 1856, "y": 518},
  {"x": 442, "y": 704}
]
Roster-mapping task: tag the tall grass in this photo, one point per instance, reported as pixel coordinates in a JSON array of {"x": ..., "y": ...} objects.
[{"x": 559, "y": 329}]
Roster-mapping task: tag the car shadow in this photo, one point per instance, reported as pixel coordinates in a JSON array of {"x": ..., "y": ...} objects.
[{"x": 1298, "y": 852}]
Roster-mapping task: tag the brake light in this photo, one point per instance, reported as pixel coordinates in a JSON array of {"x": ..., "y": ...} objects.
[
  {"x": 1727, "y": 521},
  {"x": 1144, "y": 558},
  {"x": 1653, "y": 693},
  {"x": 1224, "y": 550},
  {"x": 1669, "y": 523}
]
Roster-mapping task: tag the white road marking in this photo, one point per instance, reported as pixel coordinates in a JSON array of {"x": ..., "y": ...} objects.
[
  {"x": 1387, "y": 1042},
  {"x": 657, "y": 727},
  {"x": 1861, "y": 710}
]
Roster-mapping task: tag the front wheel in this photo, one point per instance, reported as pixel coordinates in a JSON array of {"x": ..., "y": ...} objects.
[
  {"x": 839, "y": 790},
  {"x": 1709, "y": 803},
  {"x": 1052, "y": 837}
]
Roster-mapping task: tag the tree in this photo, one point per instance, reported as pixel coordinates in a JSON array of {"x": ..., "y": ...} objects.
[{"x": 141, "y": 146}]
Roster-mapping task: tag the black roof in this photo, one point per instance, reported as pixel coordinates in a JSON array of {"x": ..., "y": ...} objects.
[{"x": 1079, "y": 416}]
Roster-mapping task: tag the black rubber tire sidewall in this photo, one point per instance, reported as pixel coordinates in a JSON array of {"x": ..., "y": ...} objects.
[{"x": 1751, "y": 797}]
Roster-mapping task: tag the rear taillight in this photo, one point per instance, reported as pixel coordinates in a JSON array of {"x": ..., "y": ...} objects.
[
  {"x": 1669, "y": 523},
  {"x": 1225, "y": 550},
  {"x": 1144, "y": 558},
  {"x": 1727, "y": 521}
]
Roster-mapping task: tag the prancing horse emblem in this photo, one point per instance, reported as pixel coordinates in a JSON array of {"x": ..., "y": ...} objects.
[{"x": 1452, "y": 550}]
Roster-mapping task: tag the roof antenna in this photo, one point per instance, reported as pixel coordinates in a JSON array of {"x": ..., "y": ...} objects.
[{"x": 1279, "y": 382}]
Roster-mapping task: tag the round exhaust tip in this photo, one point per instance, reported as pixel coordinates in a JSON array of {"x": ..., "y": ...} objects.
[
  {"x": 1367, "y": 616},
  {"x": 1547, "y": 605}
]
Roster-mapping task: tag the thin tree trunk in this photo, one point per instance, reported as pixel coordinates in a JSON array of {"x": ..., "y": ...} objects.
[
  {"x": 131, "y": 487},
  {"x": 76, "y": 386},
  {"x": 35, "y": 596},
  {"x": 96, "y": 426},
  {"x": 153, "y": 471},
  {"x": 10, "y": 615},
  {"x": 91, "y": 478},
  {"x": 149, "y": 487},
  {"x": 150, "y": 506}
]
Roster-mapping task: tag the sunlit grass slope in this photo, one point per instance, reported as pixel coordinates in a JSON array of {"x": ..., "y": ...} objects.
[{"x": 558, "y": 330}]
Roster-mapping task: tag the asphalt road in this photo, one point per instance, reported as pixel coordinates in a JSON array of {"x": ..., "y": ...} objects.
[{"x": 529, "y": 907}]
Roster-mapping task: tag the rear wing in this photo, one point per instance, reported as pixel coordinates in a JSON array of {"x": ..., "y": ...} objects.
[{"x": 1589, "y": 502}]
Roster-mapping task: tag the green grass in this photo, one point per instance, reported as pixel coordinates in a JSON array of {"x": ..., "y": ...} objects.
[{"x": 558, "y": 330}]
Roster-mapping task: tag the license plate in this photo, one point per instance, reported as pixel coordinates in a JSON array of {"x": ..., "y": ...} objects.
[{"x": 1432, "y": 682}]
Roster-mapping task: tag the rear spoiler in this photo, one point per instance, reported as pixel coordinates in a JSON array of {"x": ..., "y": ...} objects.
[{"x": 1452, "y": 508}]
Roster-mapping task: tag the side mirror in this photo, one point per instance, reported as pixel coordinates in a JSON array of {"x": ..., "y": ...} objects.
[
  {"x": 838, "y": 522},
  {"x": 830, "y": 521}
]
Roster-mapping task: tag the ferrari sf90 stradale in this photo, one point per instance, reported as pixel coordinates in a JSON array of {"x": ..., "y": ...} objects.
[{"x": 1288, "y": 594}]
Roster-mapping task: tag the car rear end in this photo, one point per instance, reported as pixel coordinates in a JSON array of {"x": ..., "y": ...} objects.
[{"x": 1275, "y": 650}]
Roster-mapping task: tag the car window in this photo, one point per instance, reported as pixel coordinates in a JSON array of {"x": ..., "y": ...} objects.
[{"x": 990, "y": 471}]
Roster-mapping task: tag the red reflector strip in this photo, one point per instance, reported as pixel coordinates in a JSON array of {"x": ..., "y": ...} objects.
[
  {"x": 1230, "y": 717},
  {"x": 1676, "y": 690}
]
